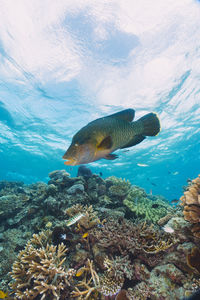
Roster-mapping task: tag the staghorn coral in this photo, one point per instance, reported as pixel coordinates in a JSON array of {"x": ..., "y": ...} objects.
[
  {"x": 39, "y": 270},
  {"x": 191, "y": 202},
  {"x": 89, "y": 284}
]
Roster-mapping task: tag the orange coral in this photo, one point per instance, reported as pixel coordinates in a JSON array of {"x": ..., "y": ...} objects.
[{"x": 191, "y": 202}]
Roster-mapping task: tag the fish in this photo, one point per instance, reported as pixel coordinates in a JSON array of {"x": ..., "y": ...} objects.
[
  {"x": 101, "y": 137},
  {"x": 142, "y": 165},
  {"x": 80, "y": 272},
  {"x": 168, "y": 229},
  {"x": 74, "y": 219},
  {"x": 3, "y": 295},
  {"x": 85, "y": 235},
  {"x": 175, "y": 201}
]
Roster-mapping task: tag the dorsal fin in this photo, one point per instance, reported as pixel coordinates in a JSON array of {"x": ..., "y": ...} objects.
[{"x": 126, "y": 115}]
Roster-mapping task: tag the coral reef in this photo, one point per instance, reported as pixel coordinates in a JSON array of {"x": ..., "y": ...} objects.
[
  {"x": 191, "y": 203},
  {"x": 94, "y": 239}
]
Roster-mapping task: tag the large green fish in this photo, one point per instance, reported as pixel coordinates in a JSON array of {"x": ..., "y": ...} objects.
[{"x": 101, "y": 137}]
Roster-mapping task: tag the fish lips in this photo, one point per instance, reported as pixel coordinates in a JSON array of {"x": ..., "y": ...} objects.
[
  {"x": 70, "y": 161},
  {"x": 79, "y": 154}
]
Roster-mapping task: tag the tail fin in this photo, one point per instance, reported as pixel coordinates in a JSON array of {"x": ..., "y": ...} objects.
[{"x": 150, "y": 124}]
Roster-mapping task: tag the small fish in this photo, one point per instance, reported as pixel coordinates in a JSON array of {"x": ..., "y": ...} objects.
[
  {"x": 85, "y": 235},
  {"x": 101, "y": 137},
  {"x": 175, "y": 173},
  {"x": 100, "y": 173},
  {"x": 80, "y": 272},
  {"x": 63, "y": 236},
  {"x": 74, "y": 219},
  {"x": 168, "y": 229},
  {"x": 142, "y": 165},
  {"x": 175, "y": 201},
  {"x": 155, "y": 205},
  {"x": 3, "y": 295}
]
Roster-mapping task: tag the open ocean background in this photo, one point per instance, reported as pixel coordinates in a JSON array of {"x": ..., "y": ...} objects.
[{"x": 65, "y": 63}]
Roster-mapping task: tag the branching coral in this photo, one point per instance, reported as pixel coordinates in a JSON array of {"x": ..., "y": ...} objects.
[
  {"x": 39, "y": 270},
  {"x": 89, "y": 284},
  {"x": 123, "y": 237},
  {"x": 153, "y": 242}
]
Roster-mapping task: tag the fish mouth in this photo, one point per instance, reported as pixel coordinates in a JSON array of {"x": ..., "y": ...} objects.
[{"x": 70, "y": 162}]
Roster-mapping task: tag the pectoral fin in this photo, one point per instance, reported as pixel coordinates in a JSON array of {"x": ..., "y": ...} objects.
[
  {"x": 106, "y": 143},
  {"x": 136, "y": 140},
  {"x": 111, "y": 156}
]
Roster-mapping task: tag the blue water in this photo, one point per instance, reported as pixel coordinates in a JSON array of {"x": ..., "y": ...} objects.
[{"x": 65, "y": 64}]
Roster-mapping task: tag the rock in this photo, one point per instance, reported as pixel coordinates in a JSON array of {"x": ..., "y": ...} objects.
[
  {"x": 58, "y": 174},
  {"x": 52, "y": 189},
  {"x": 77, "y": 188}
]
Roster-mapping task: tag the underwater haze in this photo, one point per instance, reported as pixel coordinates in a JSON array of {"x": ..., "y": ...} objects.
[{"x": 66, "y": 63}]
